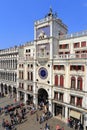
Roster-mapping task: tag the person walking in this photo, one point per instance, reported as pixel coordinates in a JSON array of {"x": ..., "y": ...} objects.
[
  {"x": 3, "y": 123},
  {"x": 37, "y": 117},
  {"x": 57, "y": 127}
]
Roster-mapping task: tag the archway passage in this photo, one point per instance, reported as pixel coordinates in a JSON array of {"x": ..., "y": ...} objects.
[
  {"x": 42, "y": 96},
  {"x": 6, "y": 90},
  {"x": 9, "y": 89},
  {"x": 2, "y": 88}
]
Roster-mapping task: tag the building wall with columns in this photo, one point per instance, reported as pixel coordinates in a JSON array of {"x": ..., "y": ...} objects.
[
  {"x": 8, "y": 71},
  {"x": 71, "y": 64}
]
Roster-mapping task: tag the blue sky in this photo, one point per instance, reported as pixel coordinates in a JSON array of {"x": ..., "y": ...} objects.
[{"x": 17, "y": 18}]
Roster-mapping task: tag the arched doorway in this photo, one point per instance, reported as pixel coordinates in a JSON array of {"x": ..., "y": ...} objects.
[
  {"x": 14, "y": 90},
  {"x": 6, "y": 90},
  {"x": 42, "y": 96},
  {"x": 10, "y": 89},
  {"x": 29, "y": 99},
  {"x": 2, "y": 89},
  {"x": 21, "y": 95}
]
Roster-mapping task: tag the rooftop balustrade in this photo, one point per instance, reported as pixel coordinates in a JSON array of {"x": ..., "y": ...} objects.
[{"x": 73, "y": 35}]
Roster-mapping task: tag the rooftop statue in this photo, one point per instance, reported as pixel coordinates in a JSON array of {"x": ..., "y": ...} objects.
[{"x": 50, "y": 13}]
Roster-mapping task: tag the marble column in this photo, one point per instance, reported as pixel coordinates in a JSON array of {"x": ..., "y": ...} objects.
[
  {"x": 66, "y": 113},
  {"x": 53, "y": 109},
  {"x": 25, "y": 98},
  {"x": 12, "y": 91},
  {"x": 35, "y": 100},
  {"x": 18, "y": 96},
  {"x": 63, "y": 111},
  {"x": 50, "y": 105}
]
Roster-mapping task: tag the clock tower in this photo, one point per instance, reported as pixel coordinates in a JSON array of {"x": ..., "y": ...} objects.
[{"x": 46, "y": 34}]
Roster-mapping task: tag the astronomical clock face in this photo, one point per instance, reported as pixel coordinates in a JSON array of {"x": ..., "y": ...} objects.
[
  {"x": 43, "y": 73},
  {"x": 43, "y": 31}
]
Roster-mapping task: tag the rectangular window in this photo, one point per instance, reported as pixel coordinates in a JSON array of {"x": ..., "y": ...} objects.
[
  {"x": 72, "y": 100},
  {"x": 56, "y": 95},
  {"x": 22, "y": 75},
  {"x": 79, "y": 67},
  {"x": 19, "y": 74},
  {"x": 42, "y": 52},
  {"x": 73, "y": 84},
  {"x": 61, "y": 97},
  {"x": 28, "y": 50},
  {"x": 76, "y": 45},
  {"x": 66, "y": 46},
  {"x": 22, "y": 86},
  {"x": 28, "y": 75},
  {"x": 61, "y": 67},
  {"x": 78, "y": 84},
  {"x": 60, "y": 46},
  {"x": 19, "y": 85},
  {"x": 79, "y": 101},
  {"x": 83, "y": 43}
]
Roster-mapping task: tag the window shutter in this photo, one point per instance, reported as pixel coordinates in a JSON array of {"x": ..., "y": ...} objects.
[
  {"x": 56, "y": 80},
  {"x": 61, "y": 81},
  {"x": 82, "y": 68},
  {"x": 70, "y": 67}
]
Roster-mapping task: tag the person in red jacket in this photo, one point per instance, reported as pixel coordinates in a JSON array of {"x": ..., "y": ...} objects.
[{"x": 57, "y": 127}]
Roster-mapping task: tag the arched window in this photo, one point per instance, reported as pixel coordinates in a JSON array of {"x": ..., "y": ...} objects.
[
  {"x": 28, "y": 75},
  {"x": 61, "y": 81},
  {"x": 56, "y": 80},
  {"x": 31, "y": 76},
  {"x": 73, "y": 82},
  {"x": 79, "y": 101},
  {"x": 79, "y": 83}
]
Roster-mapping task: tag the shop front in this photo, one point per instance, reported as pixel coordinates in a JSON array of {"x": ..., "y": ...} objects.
[
  {"x": 76, "y": 118},
  {"x": 29, "y": 99},
  {"x": 21, "y": 96},
  {"x": 75, "y": 115},
  {"x": 59, "y": 110}
]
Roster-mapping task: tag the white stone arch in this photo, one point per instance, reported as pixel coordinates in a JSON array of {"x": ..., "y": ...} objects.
[{"x": 43, "y": 95}]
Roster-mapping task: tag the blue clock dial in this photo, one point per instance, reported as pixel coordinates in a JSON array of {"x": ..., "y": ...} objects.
[{"x": 43, "y": 73}]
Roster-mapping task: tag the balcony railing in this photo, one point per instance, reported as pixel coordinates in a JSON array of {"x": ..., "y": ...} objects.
[
  {"x": 75, "y": 104},
  {"x": 9, "y": 50},
  {"x": 73, "y": 35},
  {"x": 71, "y": 56},
  {"x": 29, "y": 90},
  {"x": 72, "y": 103},
  {"x": 78, "y": 105},
  {"x": 60, "y": 100},
  {"x": 76, "y": 89},
  {"x": 22, "y": 88},
  {"x": 48, "y": 19},
  {"x": 56, "y": 98}
]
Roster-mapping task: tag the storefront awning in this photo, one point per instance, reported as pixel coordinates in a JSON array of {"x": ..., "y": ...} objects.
[{"x": 75, "y": 114}]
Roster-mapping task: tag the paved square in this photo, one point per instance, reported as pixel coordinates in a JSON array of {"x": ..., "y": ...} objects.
[{"x": 30, "y": 122}]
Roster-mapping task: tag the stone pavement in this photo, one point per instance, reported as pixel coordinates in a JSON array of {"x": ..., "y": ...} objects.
[{"x": 31, "y": 123}]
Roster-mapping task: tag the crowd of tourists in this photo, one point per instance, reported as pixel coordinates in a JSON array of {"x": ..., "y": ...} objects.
[
  {"x": 76, "y": 124},
  {"x": 17, "y": 116}
]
